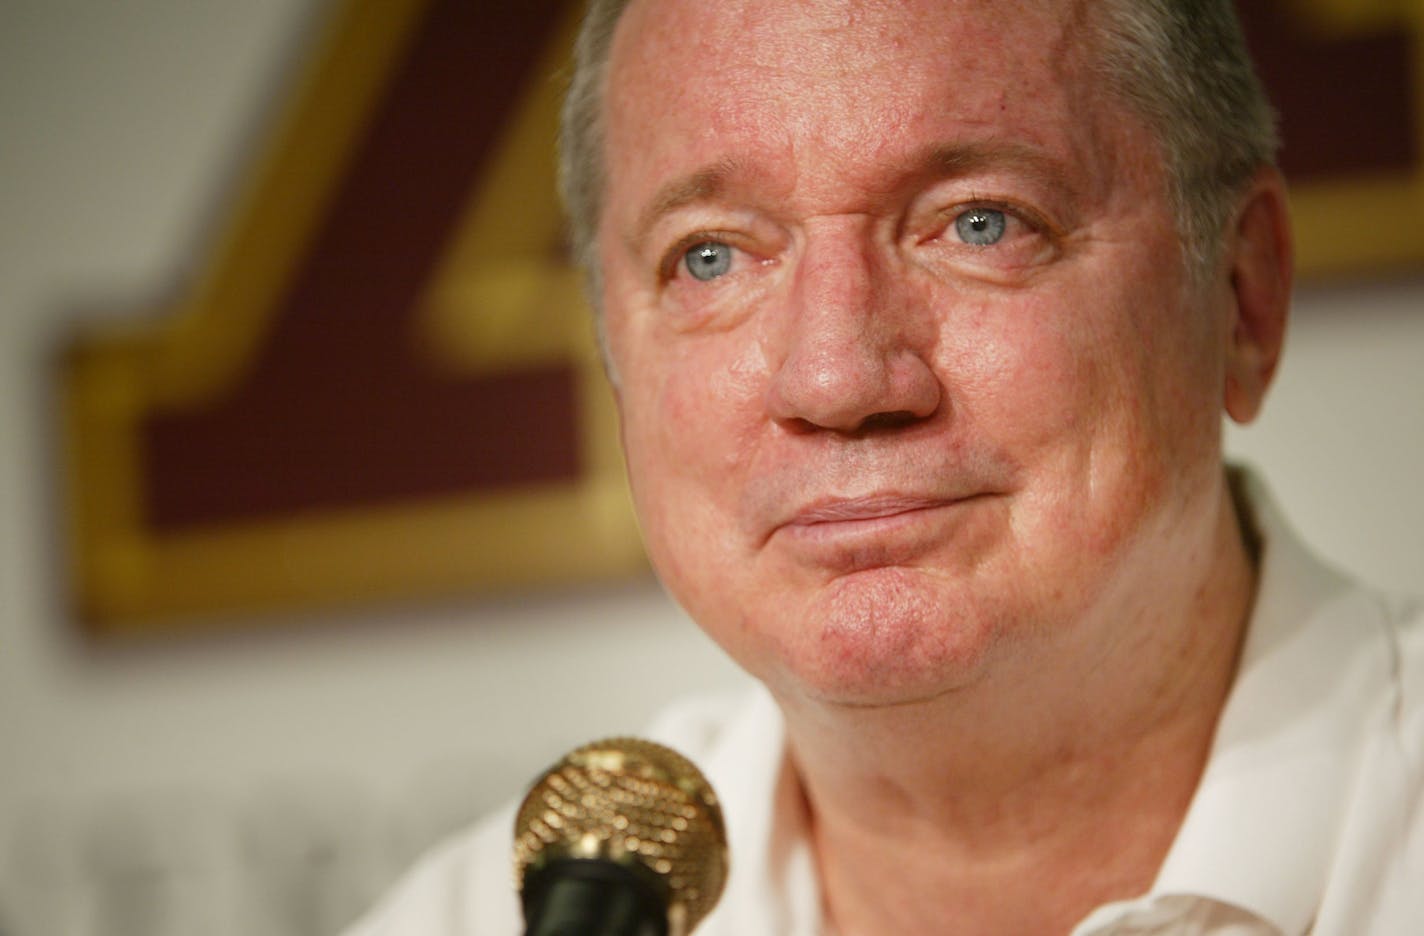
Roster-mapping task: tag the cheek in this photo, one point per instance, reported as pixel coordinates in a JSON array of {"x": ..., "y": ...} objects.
[
  {"x": 707, "y": 405},
  {"x": 690, "y": 438},
  {"x": 691, "y": 416},
  {"x": 1019, "y": 373},
  {"x": 1071, "y": 390},
  {"x": 689, "y": 406}
]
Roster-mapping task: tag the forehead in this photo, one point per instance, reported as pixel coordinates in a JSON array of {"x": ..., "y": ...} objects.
[
  {"x": 848, "y": 79},
  {"x": 846, "y": 35}
]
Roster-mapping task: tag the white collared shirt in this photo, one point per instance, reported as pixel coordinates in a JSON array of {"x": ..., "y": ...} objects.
[{"x": 1309, "y": 817}]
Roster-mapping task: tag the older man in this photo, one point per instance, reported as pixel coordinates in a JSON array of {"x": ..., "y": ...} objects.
[{"x": 923, "y": 316}]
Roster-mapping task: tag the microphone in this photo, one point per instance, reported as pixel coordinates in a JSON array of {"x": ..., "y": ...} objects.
[{"x": 622, "y": 837}]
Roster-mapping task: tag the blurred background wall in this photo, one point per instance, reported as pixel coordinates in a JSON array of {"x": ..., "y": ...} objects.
[
  {"x": 122, "y": 128},
  {"x": 363, "y": 735}
]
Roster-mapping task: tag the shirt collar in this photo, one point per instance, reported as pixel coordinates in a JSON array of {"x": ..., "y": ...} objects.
[
  {"x": 773, "y": 886},
  {"x": 1259, "y": 832}
]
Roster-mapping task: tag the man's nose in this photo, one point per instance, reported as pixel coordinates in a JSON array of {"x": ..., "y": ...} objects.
[{"x": 855, "y": 344}]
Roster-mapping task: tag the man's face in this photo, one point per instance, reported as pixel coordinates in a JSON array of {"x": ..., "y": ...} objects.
[{"x": 910, "y": 375}]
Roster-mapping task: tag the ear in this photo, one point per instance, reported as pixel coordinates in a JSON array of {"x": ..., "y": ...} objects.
[{"x": 1259, "y": 264}]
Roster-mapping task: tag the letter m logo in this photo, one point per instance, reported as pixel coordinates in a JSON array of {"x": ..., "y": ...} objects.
[{"x": 381, "y": 384}]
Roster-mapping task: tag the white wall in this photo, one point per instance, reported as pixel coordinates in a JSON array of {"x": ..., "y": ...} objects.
[
  {"x": 1342, "y": 438},
  {"x": 120, "y": 124}
]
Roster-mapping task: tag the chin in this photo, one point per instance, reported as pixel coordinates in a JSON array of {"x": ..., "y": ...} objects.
[{"x": 881, "y": 637}]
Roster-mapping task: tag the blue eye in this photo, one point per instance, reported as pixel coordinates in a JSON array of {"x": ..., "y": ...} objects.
[
  {"x": 708, "y": 260},
  {"x": 980, "y": 227}
]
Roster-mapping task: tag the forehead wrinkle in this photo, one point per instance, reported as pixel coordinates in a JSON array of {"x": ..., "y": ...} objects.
[{"x": 846, "y": 149}]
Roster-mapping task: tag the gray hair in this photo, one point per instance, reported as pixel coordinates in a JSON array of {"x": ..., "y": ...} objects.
[
  {"x": 1182, "y": 65},
  {"x": 581, "y": 165}
]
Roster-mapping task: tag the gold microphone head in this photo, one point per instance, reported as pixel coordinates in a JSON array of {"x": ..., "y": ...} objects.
[{"x": 634, "y": 803}]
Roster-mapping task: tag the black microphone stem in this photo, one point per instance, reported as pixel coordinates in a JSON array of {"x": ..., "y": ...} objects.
[{"x": 594, "y": 897}]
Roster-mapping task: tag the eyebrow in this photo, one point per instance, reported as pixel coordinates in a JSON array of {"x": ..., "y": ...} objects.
[
  {"x": 964, "y": 158},
  {"x": 702, "y": 185}
]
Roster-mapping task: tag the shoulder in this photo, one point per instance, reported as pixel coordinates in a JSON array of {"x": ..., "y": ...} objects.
[
  {"x": 465, "y": 886},
  {"x": 1379, "y": 843},
  {"x": 1405, "y": 630},
  {"x": 461, "y": 888}
]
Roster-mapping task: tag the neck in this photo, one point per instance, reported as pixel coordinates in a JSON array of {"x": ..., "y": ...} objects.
[{"x": 1042, "y": 791}]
